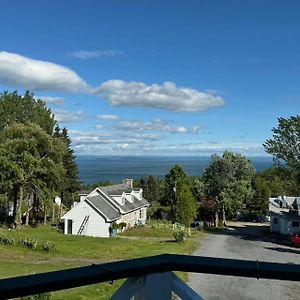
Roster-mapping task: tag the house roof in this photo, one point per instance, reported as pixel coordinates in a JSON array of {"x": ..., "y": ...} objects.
[
  {"x": 286, "y": 215},
  {"x": 104, "y": 207},
  {"x": 109, "y": 207},
  {"x": 117, "y": 189}
]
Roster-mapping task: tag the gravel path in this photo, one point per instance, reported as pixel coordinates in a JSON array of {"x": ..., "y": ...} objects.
[{"x": 245, "y": 241}]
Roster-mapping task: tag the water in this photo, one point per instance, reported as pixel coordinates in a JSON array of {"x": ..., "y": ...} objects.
[{"x": 93, "y": 169}]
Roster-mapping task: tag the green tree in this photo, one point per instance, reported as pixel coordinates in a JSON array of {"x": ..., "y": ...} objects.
[
  {"x": 285, "y": 144},
  {"x": 175, "y": 176},
  {"x": 260, "y": 203},
  {"x": 279, "y": 180},
  {"x": 71, "y": 182},
  {"x": 185, "y": 207},
  {"x": 30, "y": 160},
  {"x": 23, "y": 109},
  {"x": 228, "y": 181}
]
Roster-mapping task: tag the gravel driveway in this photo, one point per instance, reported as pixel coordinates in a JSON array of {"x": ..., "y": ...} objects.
[{"x": 245, "y": 241}]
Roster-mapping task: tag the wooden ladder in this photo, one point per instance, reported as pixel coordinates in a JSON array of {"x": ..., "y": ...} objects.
[{"x": 83, "y": 224}]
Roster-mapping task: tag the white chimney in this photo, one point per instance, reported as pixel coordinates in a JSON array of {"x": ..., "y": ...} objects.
[{"x": 128, "y": 182}]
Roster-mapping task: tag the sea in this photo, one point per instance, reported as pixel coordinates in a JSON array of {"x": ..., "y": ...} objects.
[{"x": 93, "y": 169}]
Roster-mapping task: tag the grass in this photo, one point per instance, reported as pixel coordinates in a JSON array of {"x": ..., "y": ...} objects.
[{"x": 74, "y": 251}]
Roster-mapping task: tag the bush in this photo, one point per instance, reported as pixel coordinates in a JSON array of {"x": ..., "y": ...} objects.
[
  {"x": 179, "y": 236},
  {"x": 29, "y": 243},
  {"x": 49, "y": 246},
  {"x": 7, "y": 240},
  {"x": 122, "y": 225}
]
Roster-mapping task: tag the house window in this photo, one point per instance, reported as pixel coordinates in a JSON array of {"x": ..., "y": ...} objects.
[
  {"x": 70, "y": 222},
  {"x": 141, "y": 213},
  {"x": 295, "y": 224},
  {"x": 275, "y": 221}
]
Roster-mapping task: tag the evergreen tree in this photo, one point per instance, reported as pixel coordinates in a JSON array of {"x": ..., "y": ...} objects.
[
  {"x": 185, "y": 208},
  {"x": 71, "y": 182},
  {"x": 23, "y": 109}
]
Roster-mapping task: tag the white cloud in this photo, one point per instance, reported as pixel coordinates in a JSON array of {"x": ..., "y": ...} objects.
[
  {"x": 155, "y": 125},
  {"x": 20, "y": 71},
  {"x": 108, "y": 117},
  {"x": 87, "y": 54},
  {"x": 51, "y": 100},
  {"x": 166, "y": 96},
  {"x": 65, "y": 116},
  {"x": 79, "y": 137},
  {"x": 123, "y": 146}
]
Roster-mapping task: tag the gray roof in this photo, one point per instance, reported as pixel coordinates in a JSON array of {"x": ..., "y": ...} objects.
[
  {"x": 117, "y": 189},
  {"x": 105, "y": 208},
  {"x": 110, "y": 208},
  {"x": 136, "y": 204}
]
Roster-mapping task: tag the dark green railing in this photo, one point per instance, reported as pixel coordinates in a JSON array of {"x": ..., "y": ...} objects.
[{"x": 76, "y": 277}]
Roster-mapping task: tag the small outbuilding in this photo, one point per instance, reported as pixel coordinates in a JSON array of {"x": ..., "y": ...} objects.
[
  {"x": 99, "y": 211},
  {"x": 284, "y": 215}
]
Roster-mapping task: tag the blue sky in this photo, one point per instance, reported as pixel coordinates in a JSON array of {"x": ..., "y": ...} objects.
[{"x": 157, "y": 77}]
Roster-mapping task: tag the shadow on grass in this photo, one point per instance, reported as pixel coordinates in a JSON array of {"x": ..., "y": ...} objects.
[{"x": 284, "y": 250}]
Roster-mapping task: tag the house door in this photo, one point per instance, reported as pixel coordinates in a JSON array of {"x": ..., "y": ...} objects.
[{"x": 70, "y": 222}]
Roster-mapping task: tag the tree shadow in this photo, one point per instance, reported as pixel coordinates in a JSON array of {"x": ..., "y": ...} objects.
[
  {"x": 254, "y": 232},
  {"x": 284, "y": 250}
]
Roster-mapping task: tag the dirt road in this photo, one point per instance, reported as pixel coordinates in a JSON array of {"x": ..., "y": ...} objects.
[{"x": 245, "y": 241}]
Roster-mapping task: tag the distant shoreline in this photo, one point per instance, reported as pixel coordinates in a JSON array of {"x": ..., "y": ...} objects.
[{"x": 95, "y": 168}]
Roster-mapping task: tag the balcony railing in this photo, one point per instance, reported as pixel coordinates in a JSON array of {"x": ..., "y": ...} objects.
[{"x": 148, "y": 278}]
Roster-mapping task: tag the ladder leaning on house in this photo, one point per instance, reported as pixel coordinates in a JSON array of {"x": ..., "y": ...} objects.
[{"x": 83, "y": 224}]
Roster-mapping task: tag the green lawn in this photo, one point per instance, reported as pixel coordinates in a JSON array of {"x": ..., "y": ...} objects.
[{"x": 74, "y": 251}]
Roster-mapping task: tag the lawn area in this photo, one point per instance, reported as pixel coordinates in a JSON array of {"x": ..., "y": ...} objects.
[{"x": 74, "y": 251}]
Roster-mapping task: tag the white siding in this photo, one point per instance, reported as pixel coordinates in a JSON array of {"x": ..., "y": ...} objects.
[{"x": 96, "y": 225}]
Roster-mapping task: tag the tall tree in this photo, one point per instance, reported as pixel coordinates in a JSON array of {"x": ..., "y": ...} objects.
[
  {"x": 228, "y": 181},
  {"x": 30, "y": 159},
  {"x": 71, "y": 182},
  {"x": 172, "y": 179},
  {"x": 15, "y": 108},
  {"x": 185, "y": 208},
  {"x": 285, "y": 144}
]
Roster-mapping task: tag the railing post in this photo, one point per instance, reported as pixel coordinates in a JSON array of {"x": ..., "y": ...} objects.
[{"x": 156, "y": 286}]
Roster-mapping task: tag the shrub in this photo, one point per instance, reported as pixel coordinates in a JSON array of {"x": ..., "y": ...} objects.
[
  {"x": 122, "y": 225},
  {"x": 179, "y": 236},
  {"x": 49, "y": 246},
  {"x": 29, "y": 243}
]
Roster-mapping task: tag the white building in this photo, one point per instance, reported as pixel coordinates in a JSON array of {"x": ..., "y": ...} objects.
[
  {"x": 99, "y": 209},
  {"x": 285, "y": 215}
]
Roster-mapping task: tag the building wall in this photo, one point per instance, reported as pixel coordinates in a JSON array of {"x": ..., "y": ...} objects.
[
  {"x": 96, "y": 225},
  {"x": 275, "y": 226},
  {"x": 136, "y": 217},
  {"x": 284, "y": 225}
]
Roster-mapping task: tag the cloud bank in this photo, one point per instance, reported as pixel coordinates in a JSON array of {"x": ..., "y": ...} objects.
[
  {"x": 19, "y": 71},
  {"x": 166, "y": 96}
]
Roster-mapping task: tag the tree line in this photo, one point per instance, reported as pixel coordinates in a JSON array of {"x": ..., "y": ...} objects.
[
  {"x": 229, "y": 185},
  {"x": 37, "y": 162}
]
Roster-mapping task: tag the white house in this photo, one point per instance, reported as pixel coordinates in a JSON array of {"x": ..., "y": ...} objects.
[
  {"x": 99, "y": 209},
  {"x": 285, "y": 214}
]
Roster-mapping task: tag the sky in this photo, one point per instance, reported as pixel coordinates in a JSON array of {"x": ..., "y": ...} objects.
[{"x": 135, "y": 77}]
